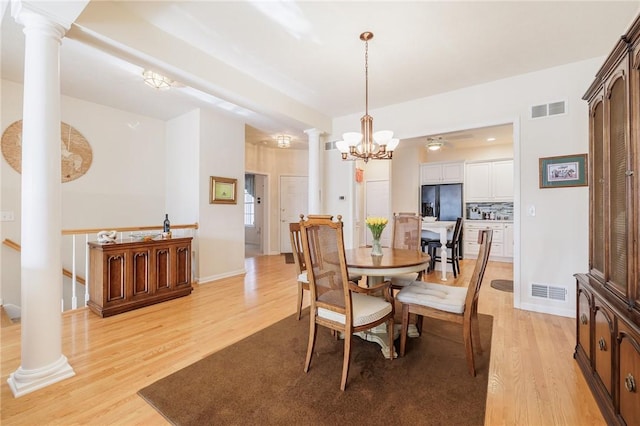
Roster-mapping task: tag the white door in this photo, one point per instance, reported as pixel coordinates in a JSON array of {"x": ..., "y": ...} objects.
[
  {"x": 294, "y": 201},
  {"x": 377, "y": 205}
]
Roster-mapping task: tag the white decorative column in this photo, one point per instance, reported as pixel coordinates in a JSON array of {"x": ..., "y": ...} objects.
[
  {"x": 42, "y": 361},
  {"x": 314, "y": 170}
]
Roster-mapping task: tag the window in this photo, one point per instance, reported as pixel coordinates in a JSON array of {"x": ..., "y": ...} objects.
[{"x": 249, "y": 200}]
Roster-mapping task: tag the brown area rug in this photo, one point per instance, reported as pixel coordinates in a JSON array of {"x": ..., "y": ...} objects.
[
  {"x": 503, "y": 285},
  {"x": 260, "y": 381}
]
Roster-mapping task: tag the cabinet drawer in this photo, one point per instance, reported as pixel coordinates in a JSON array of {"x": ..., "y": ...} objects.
[
  {"x": 471, "y": 232},
  {"x": 629, "y": 375}
]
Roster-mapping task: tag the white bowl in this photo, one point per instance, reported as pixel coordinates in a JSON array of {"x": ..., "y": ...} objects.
[{"x": 429, "y": 219}]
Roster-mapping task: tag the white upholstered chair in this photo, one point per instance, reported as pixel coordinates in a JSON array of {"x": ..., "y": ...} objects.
[{"x": 443, "y": 302}]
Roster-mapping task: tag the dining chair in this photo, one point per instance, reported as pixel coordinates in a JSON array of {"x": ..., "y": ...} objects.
[
  {"x": 407, "y": 234},
  {"x": 337, "y": 303},
  {"x": 298, "y": 257},
  {"x": 454, "y": 244},
  {"x": 449, "y": 303},
  {"x": 301, "y": 267}
]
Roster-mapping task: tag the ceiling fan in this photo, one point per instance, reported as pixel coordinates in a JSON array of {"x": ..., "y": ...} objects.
[{"x": 435, "y": 143}]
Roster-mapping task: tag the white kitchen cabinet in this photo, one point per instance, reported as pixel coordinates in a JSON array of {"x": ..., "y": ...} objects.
[
  {"x": 437, "y": 173},
  {"x": 489, "y": 181},
  {"x": 501, "y": 247},
  {"x": 478, "y": 182},
  {"x": 508, "y": 240},
  {"x": 502, "y": 180}
]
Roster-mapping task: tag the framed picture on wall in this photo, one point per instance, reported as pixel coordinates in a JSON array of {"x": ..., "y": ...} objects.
[
  {"x": 564, "y": 171},
  {"x": 222, "y": 190}
]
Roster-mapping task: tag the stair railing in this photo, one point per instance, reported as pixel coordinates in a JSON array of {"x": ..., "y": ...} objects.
[{"x": 90, "y": 234}]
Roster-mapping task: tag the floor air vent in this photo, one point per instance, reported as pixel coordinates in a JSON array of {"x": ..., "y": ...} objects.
[
  {"x": 548, "y": 110},
  {"x": 549, "y": 292}
]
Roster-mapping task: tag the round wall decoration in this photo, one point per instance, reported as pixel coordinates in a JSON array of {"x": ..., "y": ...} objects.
[{"x": 76, "y": 152}]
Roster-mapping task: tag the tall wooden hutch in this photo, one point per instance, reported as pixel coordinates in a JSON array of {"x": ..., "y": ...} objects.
[{"x": 608, "y": 308}]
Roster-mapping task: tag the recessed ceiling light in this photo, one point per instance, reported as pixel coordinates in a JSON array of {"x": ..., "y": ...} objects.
[{"x": 491, "y": 139}]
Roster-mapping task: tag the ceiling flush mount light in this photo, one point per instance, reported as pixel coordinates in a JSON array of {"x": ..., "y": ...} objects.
[
  {"x": 157, "y": 81},
  {"x": 367, "y": 145},
  {"x": 284, "y": 141},
  {"x": 434, "y": 144}
]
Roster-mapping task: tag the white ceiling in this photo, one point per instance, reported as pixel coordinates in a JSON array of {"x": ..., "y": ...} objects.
[{"x": 295, "y": 59}]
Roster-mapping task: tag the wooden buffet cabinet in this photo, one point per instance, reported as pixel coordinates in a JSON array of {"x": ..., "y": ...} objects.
[
  {"x": 608, "y": 296},
  {"x": 130, "y": 275}
]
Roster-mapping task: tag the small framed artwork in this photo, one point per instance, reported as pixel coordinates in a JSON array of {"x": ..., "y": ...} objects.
[
  {"x": 222, "y": 190},
  {"x": 562, "y": 172}
]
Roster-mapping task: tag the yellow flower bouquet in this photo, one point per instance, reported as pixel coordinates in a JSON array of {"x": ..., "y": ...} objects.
[{"x": 376, "y": 225}]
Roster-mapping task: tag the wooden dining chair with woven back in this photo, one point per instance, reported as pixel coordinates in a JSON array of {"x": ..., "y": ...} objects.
[
  {"x": 337, "y": 303},
  {"x": 298, "y": 258},
  {"x": 449, "y": 303},
  {"x": 301, "y": 267},
  {"x": 407, "y": 234}
]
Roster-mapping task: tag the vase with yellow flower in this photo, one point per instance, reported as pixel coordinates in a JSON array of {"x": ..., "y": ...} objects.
[{"x": 376, "y": 225}]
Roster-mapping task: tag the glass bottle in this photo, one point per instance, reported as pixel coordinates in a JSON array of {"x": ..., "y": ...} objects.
[{"x": 167, "y": 224}]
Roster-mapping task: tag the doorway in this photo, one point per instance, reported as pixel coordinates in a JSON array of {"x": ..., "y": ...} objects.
[{"x": 255, "y": 225}]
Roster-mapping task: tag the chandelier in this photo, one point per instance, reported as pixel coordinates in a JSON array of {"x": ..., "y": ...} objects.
[
  {"x": 367, "y": 145},
  {"x": 157, "y": 81},
  {"x": 284, "y": 141}
]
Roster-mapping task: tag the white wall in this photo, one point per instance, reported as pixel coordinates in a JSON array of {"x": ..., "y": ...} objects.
[
  {"x": 553, "y": 245},
  {"x": 182, "y": 166},
  {"x": 221, "y": 232},
  {"x": 125, "y": 185}
]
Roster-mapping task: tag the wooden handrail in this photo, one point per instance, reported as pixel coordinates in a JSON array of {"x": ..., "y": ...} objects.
[
  {"x": 12, "y": 244},
  {"x": 9, "y": 243},
  {"x": 67, "y": 273},
  {"x": 125, "y": 229}
]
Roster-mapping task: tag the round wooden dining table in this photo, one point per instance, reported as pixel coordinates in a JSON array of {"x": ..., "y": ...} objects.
[{"x": 392, "y": 262}]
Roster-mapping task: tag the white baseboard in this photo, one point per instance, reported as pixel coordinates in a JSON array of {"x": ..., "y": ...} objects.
[
  {"x": 205, "y": 280},
  {"x": 546, "y": 309}
]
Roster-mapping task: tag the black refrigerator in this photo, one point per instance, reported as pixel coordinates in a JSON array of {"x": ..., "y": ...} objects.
[{"x": 442, "y": 201}]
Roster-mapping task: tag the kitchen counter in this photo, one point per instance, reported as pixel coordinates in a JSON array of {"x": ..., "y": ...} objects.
[{"x": 482, "y": 221}]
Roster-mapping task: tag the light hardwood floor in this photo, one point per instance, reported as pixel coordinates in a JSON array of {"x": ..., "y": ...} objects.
[{"x": 533, "y": 379}]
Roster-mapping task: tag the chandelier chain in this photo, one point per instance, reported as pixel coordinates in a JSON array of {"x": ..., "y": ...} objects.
[{"x": 366, "y": 77}]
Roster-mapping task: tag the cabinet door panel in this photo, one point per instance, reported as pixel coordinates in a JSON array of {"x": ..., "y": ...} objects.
[
  {"x": 183, "y": 268},
  {"x": 140, "y": 263},
  {"x": 116, "y": 277},
  {"x": 584, "y": 321},
  {"x": 629, "y": 375},
  {"x": 163, "y": 269},
  {"x": 602, "y": 355},
  {"x": 598, "y": 202},
  {"x": 502, "y": 180},
  {"x": 617, "y": 178},
  {"x": 452, "y": 173},
  {"x": 478, "y": 182}
]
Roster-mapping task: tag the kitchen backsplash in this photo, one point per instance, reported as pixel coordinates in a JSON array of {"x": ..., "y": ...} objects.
[{"x": 489, "y": 211}]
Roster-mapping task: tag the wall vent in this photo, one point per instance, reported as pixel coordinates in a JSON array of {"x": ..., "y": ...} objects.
[
  {"x": 546, "y": 291},
  {"x": 549, "y": 110},
  {"x": 328, "y": 146}
]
